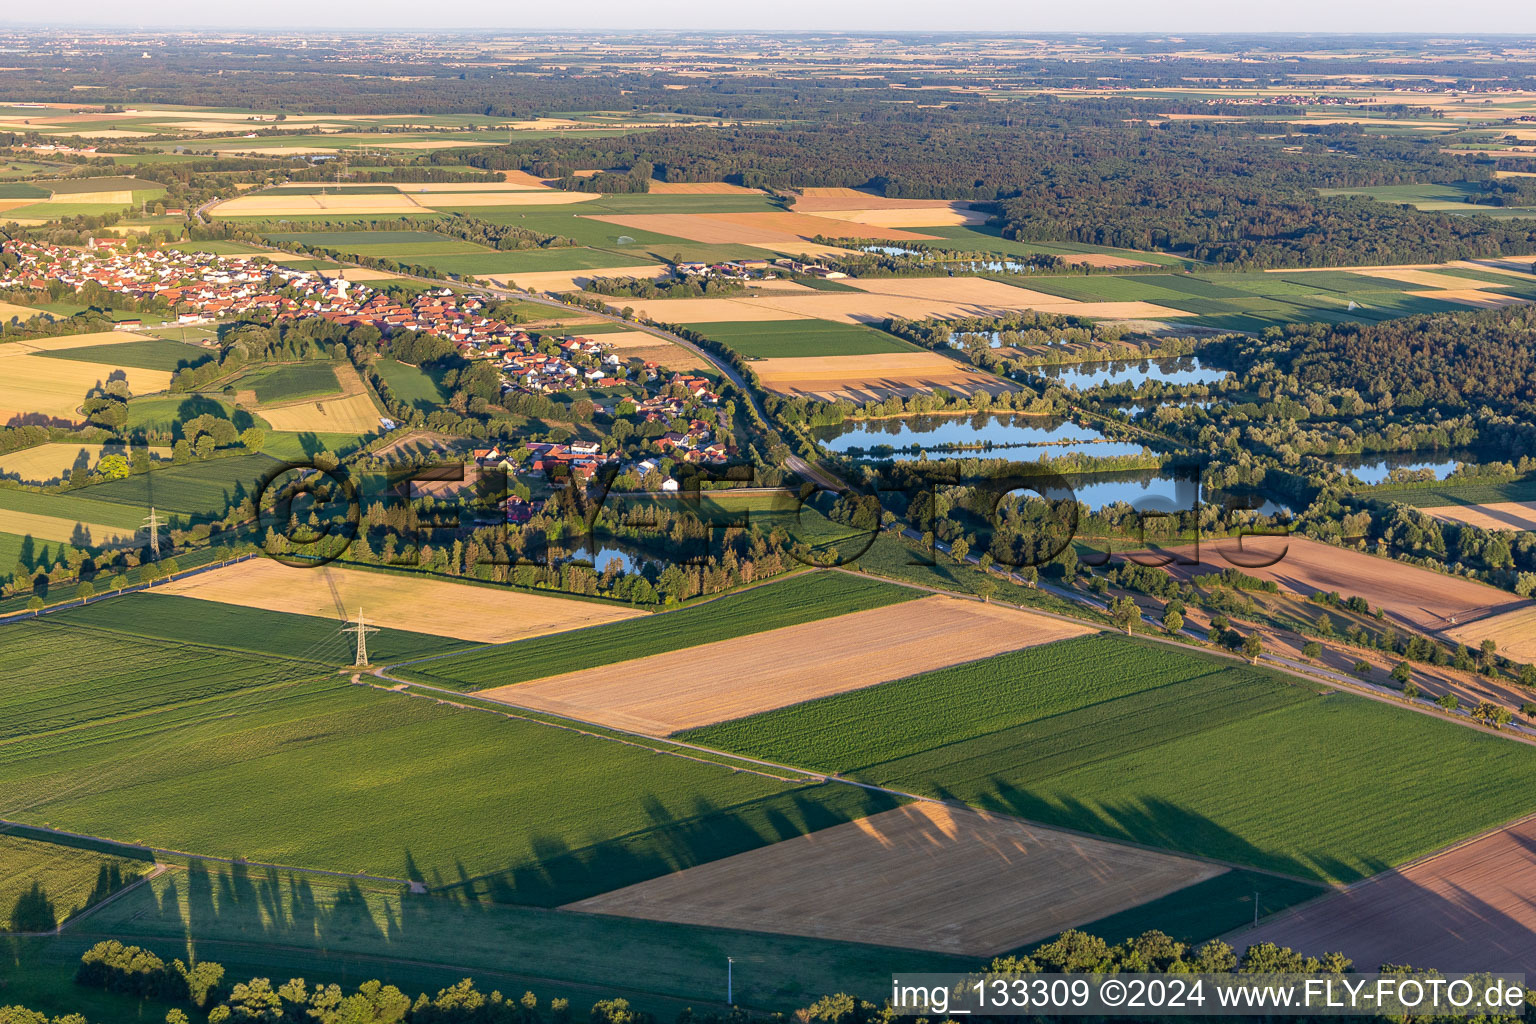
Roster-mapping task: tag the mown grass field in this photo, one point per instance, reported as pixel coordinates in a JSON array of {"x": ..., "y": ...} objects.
[
  {"x": 45, "y": 883},
  {"x": 331, "y": 775},
  {"x": 1175, "y": 749},
  {"x": 788, "y": 602},
  {"x": 194, "y": 488},
  {"x": 291, "y": 382},
  {"x": 411, "y": 384},
  {"x": 154, "y": 354},
  {"x": 163, "y": 413},
  {"x": 778, "y": 339},
  {"x": 178, "y": 619}
]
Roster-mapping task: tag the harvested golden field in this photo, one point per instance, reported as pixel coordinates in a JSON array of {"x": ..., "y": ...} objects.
[
  {"x": 1410, "y": 275},
  {"x": 1474, "y": 297},
  {"x": 509, "y": 185},
  {"x": 877, "y": 300},
  {"x": 523, "y": 179},
  {"x": 47, "y": 462},
  {"x": 58, "y": 528},
  {"x": 1467, "y": 908},
  {"x": 860, "y": 378},
  {"x": 918, "y": 217},
  {"x": 122, "y": 197},
  {"x": 1406, "y": 593},
  {"x": 351, "y": 414},
  {"x": 700, "y": 188},
  {"x": 1498, "y": 515},
  {"x": 549, "y": 197},
  {"x": 716, "y": 682},
  {"x": 1513, "y": 631},
  {"x": 575, "y": 280},
  {"x": 834, "y": 192},
  {"x": 10, "y": 311},
  {"x": 703, "y": 311},
  {"x": 36, "y": 389},
  {"x": 851, "y": 199},
  {"x": 923, "y": 876},
  {"x": 486, "y": 614},
  {"x": 11, "y": 204},
  {"x": 1104, "y": 259},
  {"x": 651, "y": 349},
  {"x": 280, "y": 205}
]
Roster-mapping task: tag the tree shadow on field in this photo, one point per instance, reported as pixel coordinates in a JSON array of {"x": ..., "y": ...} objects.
[{"x": 1157, "y": 822}]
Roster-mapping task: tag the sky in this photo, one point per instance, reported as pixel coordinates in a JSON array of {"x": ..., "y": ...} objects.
[{"x": 1182, "y": 16}]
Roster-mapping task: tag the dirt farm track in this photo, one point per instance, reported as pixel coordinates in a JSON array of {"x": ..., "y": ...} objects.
[
  {"x": 924, "y": 876},
  {"x": 1467, "y": 909}
]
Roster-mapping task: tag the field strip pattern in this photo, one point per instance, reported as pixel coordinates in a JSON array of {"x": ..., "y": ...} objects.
[
  {"x": 923, "y": 876},
  {"x": 746, "y": 675}
]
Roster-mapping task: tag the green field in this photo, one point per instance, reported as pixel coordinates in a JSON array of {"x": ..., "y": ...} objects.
[
  {"x": 187, "y": 620},
  {"x": 290, "y": 382},
  {"x": 155, "y": 354},
  {"x": 788, "y": 602},
  {"x": 411, "y": 384},
  {"x": 1454, "y": 492},
  {"x": 578, "y": 226},
  {"x": 398, "y": 245},
  {"x": 219, "y": 247},
  {"x": 119, "y": 183},
  {"x": 22, "y": 190},
  {"x": 44, "y": 883},
  {"x": 195, "y": 488},
  {"x": 777, "y": 339},
  {"x": 62, "y": 677},
  {"x": 331, "y": 775},
  {"x": 74, "y": 505},
  {"x": 1175, "y": 749},
  {"x": 162, "y": 414},
  {"x": 987, "y": 239},
  {"x": 326, "y": 930},
  {"x": 529, "y": 261}
]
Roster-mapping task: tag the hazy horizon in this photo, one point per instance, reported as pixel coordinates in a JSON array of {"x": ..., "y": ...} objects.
[{"x": 1193, "y": 17}]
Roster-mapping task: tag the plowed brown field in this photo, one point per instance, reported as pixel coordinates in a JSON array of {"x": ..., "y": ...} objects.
[
  {"x": 924, "y": 876},
  {"x": 742, "y": 676},
  {"x": 1467, "y": 909},
  {"x": 880, "y": 375},
  {"x": 1416, "y": 597}
]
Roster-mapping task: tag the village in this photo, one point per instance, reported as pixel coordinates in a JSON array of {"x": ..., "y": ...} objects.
[{"x": 202, "y": 288}]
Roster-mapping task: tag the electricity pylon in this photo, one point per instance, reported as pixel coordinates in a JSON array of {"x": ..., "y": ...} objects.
[
  {"x": 152, "y": 524},
  {"x": 362, "y": 630}
]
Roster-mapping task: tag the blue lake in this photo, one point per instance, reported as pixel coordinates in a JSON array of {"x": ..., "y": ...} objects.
[
  {"x": 906, "y": 436},
  {"x": 1173, "y": 370}
]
